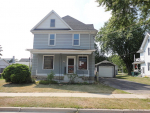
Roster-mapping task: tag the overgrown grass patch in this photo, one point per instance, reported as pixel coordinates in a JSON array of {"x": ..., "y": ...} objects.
[
  {"x": 143, "y": 80},
  {"x": 71, "y": 102}
]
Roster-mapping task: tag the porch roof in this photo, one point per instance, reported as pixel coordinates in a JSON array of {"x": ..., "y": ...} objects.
[
  {"x": 138, "y": 62},
  {"x": 60, "y": 51}
]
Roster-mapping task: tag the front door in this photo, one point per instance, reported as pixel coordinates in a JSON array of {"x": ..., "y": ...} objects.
[{"x": 70, "y": 64}]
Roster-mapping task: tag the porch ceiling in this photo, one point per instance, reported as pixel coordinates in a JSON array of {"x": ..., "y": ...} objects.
[{"x": 60, "y": 51}]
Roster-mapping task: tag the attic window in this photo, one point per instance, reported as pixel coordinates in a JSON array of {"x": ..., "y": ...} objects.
[{"x": 52, "y": 23}]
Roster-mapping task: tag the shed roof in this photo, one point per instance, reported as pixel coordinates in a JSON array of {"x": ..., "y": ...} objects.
[{"x": 105, "y": 61}]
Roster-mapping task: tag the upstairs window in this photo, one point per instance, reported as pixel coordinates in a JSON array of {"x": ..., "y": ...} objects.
[
  {"x": 48, "y": 62},
  {"x": 148, "y": 66},
  {"x": 148, "y": 51},
  {"x": 76, "y": 39},
  {"x": 52, "y": 40},
  {"x": 52, "y": 23},
  {"x": 148, "y": 40},
  {"x": 82, "y": 63}
]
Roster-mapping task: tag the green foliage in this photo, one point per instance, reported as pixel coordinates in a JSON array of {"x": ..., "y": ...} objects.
[
  {"x": 98, "y": 57},
  {"x": 17, "y": 73},
  {"x": 50, "y": 76},
  {"x": 126, "y": 12},
  {"x": 45, "y": 82},
  {"x": 72, "y": 77}
]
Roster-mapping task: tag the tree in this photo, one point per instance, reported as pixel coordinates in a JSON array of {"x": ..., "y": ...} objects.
[
  {"x": 126, "y": 12},
  {"x": 121, "y": 43},
  {"x": 118, "y": 61},
  {"x": 98, "y": 57},
  {"x": 124, "y": 32}
]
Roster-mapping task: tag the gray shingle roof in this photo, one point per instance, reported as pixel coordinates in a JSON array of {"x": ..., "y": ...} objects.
[
  {"x": 76, "y": 24},
  {"x": 24, "y": 60}
]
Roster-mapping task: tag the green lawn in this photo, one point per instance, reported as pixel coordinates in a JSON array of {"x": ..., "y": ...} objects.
[
  {"x": 144, "y": 80},
  {"x": 70, "y": 102},
  {"x": 57, "y": 88}
]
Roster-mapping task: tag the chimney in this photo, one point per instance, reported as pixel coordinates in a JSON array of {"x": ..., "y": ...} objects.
[{"x": 13, "y": 60}]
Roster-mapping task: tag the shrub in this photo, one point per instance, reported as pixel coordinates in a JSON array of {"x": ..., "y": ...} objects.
[
  {"x": 72, "y": 77},
  {"x": 17, "y": 73},
  {"x": 45, "y": 82},
  {"x": 50, "y": 77}
]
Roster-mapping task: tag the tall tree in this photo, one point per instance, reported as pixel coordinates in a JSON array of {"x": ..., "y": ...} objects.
[
  {"x": 99, "y": 57},
  {"x": 124, "y": 32}
]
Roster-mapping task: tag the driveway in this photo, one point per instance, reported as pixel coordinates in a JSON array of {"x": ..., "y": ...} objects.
[{"x": 131, "y": 87}]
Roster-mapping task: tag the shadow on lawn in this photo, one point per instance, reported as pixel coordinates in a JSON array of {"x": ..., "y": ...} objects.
[{"x": 16, "y": 85}]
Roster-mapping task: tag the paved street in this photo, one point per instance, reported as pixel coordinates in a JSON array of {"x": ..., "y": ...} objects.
[{"x": 131, "y": 87}]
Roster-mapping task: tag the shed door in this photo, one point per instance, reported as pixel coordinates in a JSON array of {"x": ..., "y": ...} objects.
[{"x": 106, "y": 71}]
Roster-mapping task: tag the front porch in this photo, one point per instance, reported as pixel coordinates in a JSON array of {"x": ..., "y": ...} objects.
[{"x": 80, "y": 62}]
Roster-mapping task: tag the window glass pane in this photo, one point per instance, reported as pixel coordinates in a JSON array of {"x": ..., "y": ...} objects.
[
  {"x": 48, "y": 62},
  {"x": 70, "y": 69},
  {"x": 76, "y": 36},
  {"x": 51, "y": 42},
  {"x": 76, "y": 42},
  {"x": 52, "y": 24},
  {"x": 70, "y": 61},
  {"x": 52, "y": 36},
  {"x": 82, "y": 62}
]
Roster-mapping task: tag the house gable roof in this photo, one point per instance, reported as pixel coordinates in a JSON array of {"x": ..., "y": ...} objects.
[
  {"x": 105, "y": 61},
  {"x": 48, "y": 15},
  {"x": 24, "y": 60},
  {"x": 144, "y": 43},
  {"x": 76, "y": 24},
  {"x": 4, "y": 61}
]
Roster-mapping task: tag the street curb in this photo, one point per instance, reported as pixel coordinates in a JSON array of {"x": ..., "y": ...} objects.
[
  {"x": 12, "y": 109},
  {"x": 73, "y": 110},
  {"x": 34, "y": 109}
]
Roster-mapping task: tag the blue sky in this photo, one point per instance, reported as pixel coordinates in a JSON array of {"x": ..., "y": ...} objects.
[{"x": 18, "y": 17}]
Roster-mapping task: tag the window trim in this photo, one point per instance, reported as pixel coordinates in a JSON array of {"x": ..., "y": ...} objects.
[
  {"x": 73, "y": 40},
  {"x": 49, "y": 39},
  {"x": 50, "y": 23},
  {"x": 43, "y": 62},
  {"x": 87, "y": 62}
]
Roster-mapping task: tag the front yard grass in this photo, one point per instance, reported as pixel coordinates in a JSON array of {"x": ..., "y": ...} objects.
[
  {"x": 39, "y": 88},
  {"x": 144, "y": 80},
  {"x": 61, "y": 102}
]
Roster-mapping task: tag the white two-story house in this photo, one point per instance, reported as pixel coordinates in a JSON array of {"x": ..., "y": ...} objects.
[
  {"x": 62, "y": 45},
  {"x": 144, "y": 59}
]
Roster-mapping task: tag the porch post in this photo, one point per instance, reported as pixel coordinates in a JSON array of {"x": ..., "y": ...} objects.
[{"x": 133, "y": 67}]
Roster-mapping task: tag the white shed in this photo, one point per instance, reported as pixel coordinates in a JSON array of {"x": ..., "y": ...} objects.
[{"x": 106, "y": 69}]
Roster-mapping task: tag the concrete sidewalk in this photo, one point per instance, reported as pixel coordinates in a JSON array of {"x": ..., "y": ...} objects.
[{"x": 91, "y": 95}]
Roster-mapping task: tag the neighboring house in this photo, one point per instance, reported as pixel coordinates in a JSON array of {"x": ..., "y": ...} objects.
[
  {"x": 106, "y": 69},
  {"x": 3, "y": 65},
  {"x": 62, "y": 45},
  {"x": 144, "y": 60},
  {"x": 25, "y": 61},
  {"x": 10, "y": 60}
]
